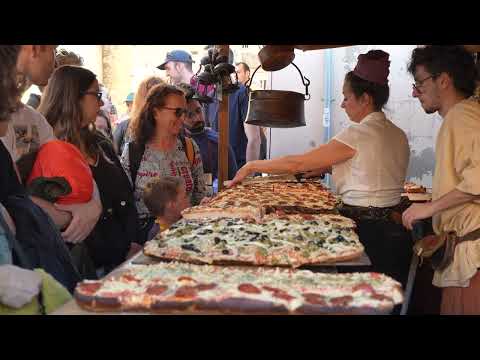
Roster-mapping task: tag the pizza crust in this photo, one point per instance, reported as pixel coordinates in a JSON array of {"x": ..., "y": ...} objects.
[{"x": 208, "y": 212}]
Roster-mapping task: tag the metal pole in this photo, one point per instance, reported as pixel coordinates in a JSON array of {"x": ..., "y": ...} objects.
[
  {"x": 223, "y": 131},
  {"x": 328, "y": 99}
]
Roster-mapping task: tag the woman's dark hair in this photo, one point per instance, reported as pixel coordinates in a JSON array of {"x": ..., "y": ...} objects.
[
  {"x": 359, "y": 86},
  {"x": 144, "y": 124},
  {"x": 454, "y": 60},
  {"x": 9, "y": 85},
  {"x": 62, "y": 108}
]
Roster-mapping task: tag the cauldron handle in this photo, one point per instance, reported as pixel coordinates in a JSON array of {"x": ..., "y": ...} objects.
[
  {"x": 305, "y": 81},
  {"x": 249, "y": 82}
]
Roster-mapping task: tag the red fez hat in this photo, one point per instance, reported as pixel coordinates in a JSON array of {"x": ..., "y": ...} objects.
[{"x": 373, "y": 66}]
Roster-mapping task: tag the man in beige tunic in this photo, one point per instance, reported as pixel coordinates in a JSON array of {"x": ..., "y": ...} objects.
[{"x": 445, "y": 80}]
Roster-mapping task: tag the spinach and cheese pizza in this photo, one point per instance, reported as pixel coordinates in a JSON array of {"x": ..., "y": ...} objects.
[{"x": 292, "y": 241}]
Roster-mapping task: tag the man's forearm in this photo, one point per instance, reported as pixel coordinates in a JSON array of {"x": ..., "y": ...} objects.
[{"x": 452, "y": 199}]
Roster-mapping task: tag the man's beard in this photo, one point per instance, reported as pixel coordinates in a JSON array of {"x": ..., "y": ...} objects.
[
  {"x": 196, "y": 129},
  {"x": 430, "y": 109}
]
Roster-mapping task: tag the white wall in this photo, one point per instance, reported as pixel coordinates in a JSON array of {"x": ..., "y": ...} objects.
[{"x": 298, "y": 140}]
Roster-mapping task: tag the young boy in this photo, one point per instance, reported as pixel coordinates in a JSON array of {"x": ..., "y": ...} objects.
[{"x": 165, "y": 198}]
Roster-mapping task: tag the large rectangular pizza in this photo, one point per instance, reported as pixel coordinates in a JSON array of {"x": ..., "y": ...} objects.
[
  {"x": 168, "y": 287},
  {"x": 288, "y": 240},
  {"x": 254, "y": 200}
]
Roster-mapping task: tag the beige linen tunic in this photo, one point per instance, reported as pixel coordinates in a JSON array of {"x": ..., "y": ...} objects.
[{"x": 457, "y": 166}]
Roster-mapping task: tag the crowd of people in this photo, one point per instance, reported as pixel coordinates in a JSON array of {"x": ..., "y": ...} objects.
[{"x": 81, "y": 193}]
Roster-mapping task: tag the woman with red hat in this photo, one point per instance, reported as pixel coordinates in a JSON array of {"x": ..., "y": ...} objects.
[{"x": 368, "y": 161}]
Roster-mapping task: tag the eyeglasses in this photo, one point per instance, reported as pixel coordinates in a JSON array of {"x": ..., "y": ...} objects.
[
  {"x": 419, "y": 84},
  {"x": 94, "y": 93},
  {"x": 179, "y": 112},
  {"x": 191, "y": 114}
]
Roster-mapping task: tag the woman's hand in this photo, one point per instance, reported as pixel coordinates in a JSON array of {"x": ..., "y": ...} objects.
[
  {"x": 316, "y": 173},
  {"x": 240, "y": 175},
  {"x": 206, "y": 200},
  {"x": 417, "y": 212},
  {"x": 84, "y": 219}
]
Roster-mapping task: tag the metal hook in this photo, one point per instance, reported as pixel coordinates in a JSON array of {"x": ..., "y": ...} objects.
[{"x": 305, "y": 81}]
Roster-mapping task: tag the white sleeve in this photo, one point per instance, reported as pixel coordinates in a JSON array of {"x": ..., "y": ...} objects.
[
  {"x": 45, "y": 131},
  {"x": 349, "y": 137}
]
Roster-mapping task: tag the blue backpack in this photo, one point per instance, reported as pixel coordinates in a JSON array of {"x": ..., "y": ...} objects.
[{"x": 38, "y": 243}]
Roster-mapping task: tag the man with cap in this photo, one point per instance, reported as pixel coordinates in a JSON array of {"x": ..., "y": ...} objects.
[
  {"x": 178, "y": 67},
  {"x": 368, "y": 161},
  {"x": 128, "y": 103},
  {"x": 120, "y": 130},
  {"x": 245, "y": 139}
]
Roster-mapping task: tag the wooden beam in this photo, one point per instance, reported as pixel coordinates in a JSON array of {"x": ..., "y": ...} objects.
[
  {"x": 473, "y": 48},
  {"x": 317, "y": 47},
  {"x": 223, "y": 131}
]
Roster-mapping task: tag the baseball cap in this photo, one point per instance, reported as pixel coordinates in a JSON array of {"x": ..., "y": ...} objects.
[
  {"x": 178, "y": 56},
  {"x": 130, "y": 97}
]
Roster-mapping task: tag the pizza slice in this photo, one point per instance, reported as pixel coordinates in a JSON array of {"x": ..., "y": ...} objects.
[{"x": 413, "y": 188}]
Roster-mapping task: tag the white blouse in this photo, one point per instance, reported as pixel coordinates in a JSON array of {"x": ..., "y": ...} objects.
[{"x": 376, "y": 174}]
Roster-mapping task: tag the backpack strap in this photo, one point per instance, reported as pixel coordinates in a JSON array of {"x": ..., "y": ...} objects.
[
  {"x": 188, "y": 148},
  {"x": 135, "y": 154}
]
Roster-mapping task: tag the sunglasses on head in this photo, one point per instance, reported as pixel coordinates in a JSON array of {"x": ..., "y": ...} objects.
[
  {"x": 94, "y": 93},
  {"x": 179, "y": 112}
]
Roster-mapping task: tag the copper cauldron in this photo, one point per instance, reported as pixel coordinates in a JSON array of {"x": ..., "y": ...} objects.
[{"x": 277, "y": 108}]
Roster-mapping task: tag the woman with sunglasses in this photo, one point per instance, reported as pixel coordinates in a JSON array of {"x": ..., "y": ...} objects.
[
  {"x": 162, "y": 149},
  {"x": 70, "y": 104}
]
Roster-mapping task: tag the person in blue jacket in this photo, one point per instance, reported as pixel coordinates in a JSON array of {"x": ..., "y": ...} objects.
[{"x": 205, "y": 137}]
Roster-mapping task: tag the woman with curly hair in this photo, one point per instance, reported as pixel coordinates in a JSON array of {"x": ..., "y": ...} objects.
[{"x": 160, "y": 149}]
